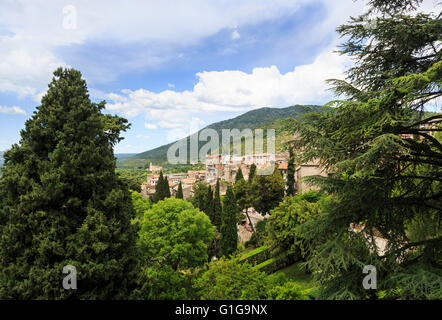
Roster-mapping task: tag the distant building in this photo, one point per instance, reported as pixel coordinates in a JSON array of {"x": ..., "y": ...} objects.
[
  {"x": 153, "y": 168},
  {"x": 305, "y": 170}
]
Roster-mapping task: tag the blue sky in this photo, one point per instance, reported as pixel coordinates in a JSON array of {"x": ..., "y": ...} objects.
[{"x": 170, "y": 67}]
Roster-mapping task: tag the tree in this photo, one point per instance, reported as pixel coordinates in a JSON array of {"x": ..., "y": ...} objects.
[
  {"x": 229, "y": 231},
  {"x": 267, "y": 191},
  {"x": 217, "y": 208},
  {"x": 179, "y": 193},
  {"x": 283, "y": 236},
  {"x": 251, "y": 173},
  {"x": 382, "y": 148},
  {"x": 176, "y": 234},
  {"x": 291, "y": 174},
  {"x": 166, "y": 188},
  {"x": 209, "y": 204},
  {"x": 232, "y": 280},
  {"x": 199, "y": 198},
  {"x": 140, "y": 204},
  {"x": 63, "y": 204},
  {"x": 239, "y": 176},
  {"x": 174, "y": 239},
  {"x": 242, "y": 191},
  {"x": 162, "y": 190}
]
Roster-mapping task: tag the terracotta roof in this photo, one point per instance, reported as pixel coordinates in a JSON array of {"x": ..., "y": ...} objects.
[{"x": 283, "y": 166}]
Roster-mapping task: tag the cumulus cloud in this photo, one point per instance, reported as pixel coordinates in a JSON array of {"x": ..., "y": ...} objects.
[
  {"x": 150, "y": 126},
  {"x": 235, "y": 35},
  {"x": 33, "y": 31},
  {"x": 233, "y": 90},
  {"x": 12, "y": 110}
]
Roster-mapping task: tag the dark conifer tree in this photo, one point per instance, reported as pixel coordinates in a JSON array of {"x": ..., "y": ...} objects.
[
  {"x": 63, "y": 204},
  {"x": 251, "y": 173},
  {"x": 239, "y": 176},
  {"x": 179, "y": 193},
  {"x": 217, "y": 208},
  {"x": 166, "y": 188},
  {"x": 291, "y": 174},
  {"x": 209, "y": 204},
  {"x": 229, "y": 231}
]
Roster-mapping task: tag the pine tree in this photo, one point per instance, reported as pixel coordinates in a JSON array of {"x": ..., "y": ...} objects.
[
  {"x": 209, "y": 204},
  {"x": 217, "y": 208},
  {"x": 386, "y": 159},
  {"x": 162, "y": 190},
  {"x": 251, "y": 173},
  {"x": 166, "y": 188},
  {"x": 291, "y": 174},
  {"x": 63, "y": 204},
  {"x": 239, "y": 176},
  {"x": 179, "y": 193},
  {"x": 158, "y": 189},
  {"x": 229, "y": 232}
]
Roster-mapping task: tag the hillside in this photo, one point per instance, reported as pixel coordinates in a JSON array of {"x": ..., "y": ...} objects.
[{"x": 255, "y": 119}]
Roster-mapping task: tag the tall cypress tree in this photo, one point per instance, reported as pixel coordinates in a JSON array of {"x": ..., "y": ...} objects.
[
  {"x": 239, "y": 176},
  {"x": 291, "y": 174},
  {"x": 63, "y": 204},
  {"x": 229, "y": 232},
  {"x": 166, "y": 188},
  {"x": 251, "y": 173},
  {"x": 209, "y": 204},
  {"x": 162, "y": 189},
  {"x": 217, "y": 208},
  {"x": 179, "y": 193},
  {"x": 156, "y": 196}
]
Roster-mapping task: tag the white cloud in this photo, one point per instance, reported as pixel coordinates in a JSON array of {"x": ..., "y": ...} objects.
[
  {"x": 171, "y": 85},
  {"x": 150, "y": 126},
  {"x": 232, "y": 90},
  {"x": 12, "y": 110},
  {"x": 33, "y": 32},
  {"x": 235, "y": 35}
]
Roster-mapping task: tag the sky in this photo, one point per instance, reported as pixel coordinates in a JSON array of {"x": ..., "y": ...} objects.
[{"x": 171, "y": 67}]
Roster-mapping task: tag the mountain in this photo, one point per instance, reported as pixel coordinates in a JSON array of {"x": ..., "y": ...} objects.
[
  {"x": 124, "y": 155},
  {"x": 255, "y": 119}
]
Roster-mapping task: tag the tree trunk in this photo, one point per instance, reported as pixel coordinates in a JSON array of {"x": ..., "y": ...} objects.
[{"x": 251, "y": 223}]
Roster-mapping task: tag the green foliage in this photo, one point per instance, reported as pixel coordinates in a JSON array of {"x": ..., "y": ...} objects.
[
  {"x": 63, "y": 204},
  {"x": 288, "y": 291},
  {"x": 217, "y": 208},
  {"x": 165, "y": 283},
  {"x": 231, "y": 280},
  {"x": 176, "y": 234},
  {"x": 229, "y": 233},
  {"x": 239, "y": 176},
  {"x": 252, "y": 172},
  {"x": 267, "y": 191},
  {"x": 283, "y": 236},
  {"x": 162, "y": 190},
  {"x": 386, "y": 160},
  {"x": 200, "y": 191},
  {"x": 141, "y": 205},
  {"x": 291, "y": 174},
  {"x": 256, "y": 256},
  {"x": 179, "y": 193},
  {"x": 209, "y": 204},
  {"x": 132, "y": 177}
]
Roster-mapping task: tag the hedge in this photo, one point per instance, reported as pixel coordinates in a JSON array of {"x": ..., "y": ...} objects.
[
  {"x": 274, "y": 264},
  {"x": 256, "y": 256}
]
